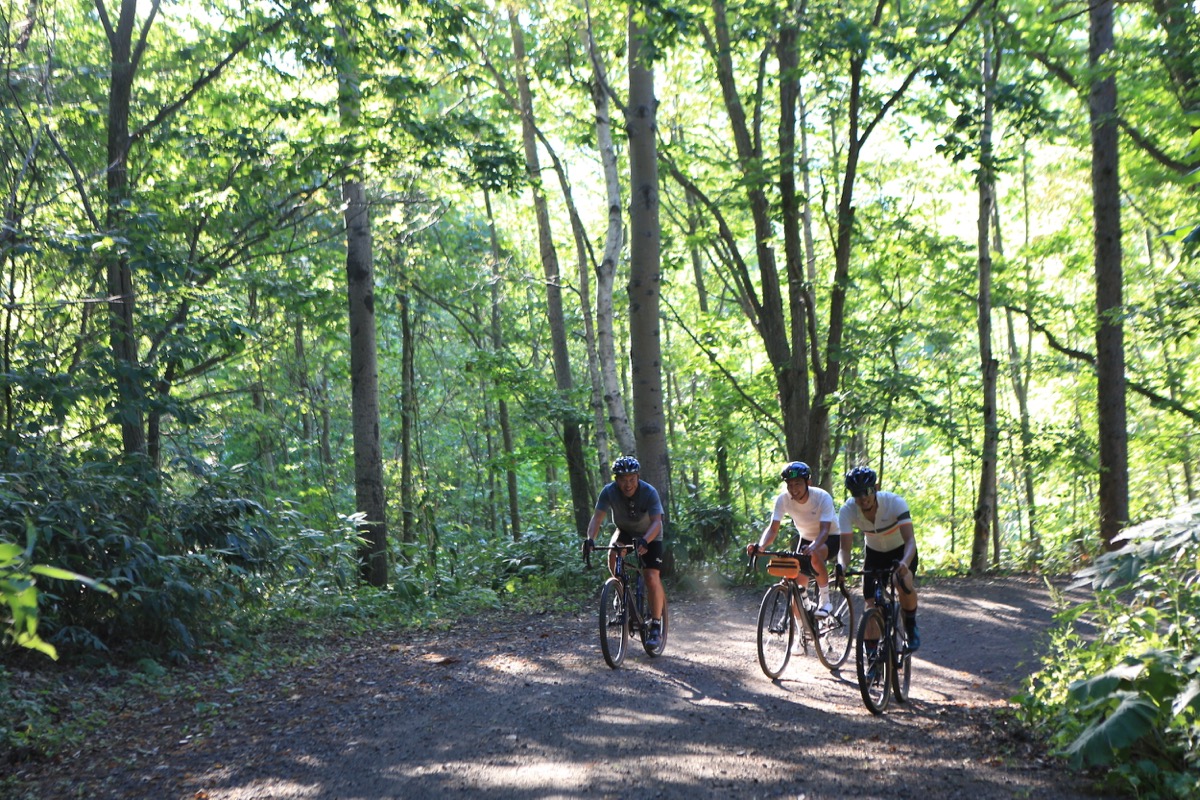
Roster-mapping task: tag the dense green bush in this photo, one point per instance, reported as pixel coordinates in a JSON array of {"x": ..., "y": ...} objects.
[
  {"x": 181, "y": 564},
  {"x": 1121, "y": 685}
]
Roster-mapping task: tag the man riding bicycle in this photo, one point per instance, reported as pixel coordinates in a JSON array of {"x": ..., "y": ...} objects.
[
  {"x": 637, "y": 514},
  {"x": 811, "y": 510},
  {"x": 886, "y": 525}
]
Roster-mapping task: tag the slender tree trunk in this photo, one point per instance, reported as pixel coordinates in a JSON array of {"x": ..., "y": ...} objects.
[
  {"x": 606, "y": 270},
  {"x": 408, "y": 422},
  {"x": 303, "y": 385},
  {"x": 645, "y": 279},
  {"x": 121, "y": 298},
  {"x": 577, "y": 472},
  {"x": 506, "y": 435},
  {"x": 1020, "y": 368},
  {"x": 364, "y": 372},
  {"x": 788, "y": 50},
  {"x": 985, "y": 504},
  {"x": 791, "y": 378},
  {"x": 1110, "y": 334}
]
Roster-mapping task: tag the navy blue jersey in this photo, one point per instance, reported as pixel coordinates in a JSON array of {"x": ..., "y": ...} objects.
[{"x": 630, "y": 514}]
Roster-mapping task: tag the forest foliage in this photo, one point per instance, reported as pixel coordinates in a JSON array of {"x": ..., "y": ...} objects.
[{"x": 175, "y": 392}]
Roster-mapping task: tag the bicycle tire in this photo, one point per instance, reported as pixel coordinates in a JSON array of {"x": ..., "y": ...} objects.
[
  {"x": 614, "y": 622},
  {"x": 874, "y": 673},
  {"x": 835, "y": 633},
  {"x": 655, "y": 652},
  {"x": 901, "y": 662},
  {"x": 776, "y": 631}
]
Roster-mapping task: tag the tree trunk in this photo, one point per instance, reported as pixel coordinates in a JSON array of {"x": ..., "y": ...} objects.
[
  {"x": 606, "y": 270},
  {"x": 796, "y": 371},
  {"x": 364, "y": 371},
  {"x": 645, "y": 277},
  {"x": 122, "y": 326},
  {"x": 768, "y": 313},
  {"x": 985, "y": 504},
  {"x": 408, "y": 422},
  {"x": 506, "y": 435},
  {"x": 1020, "y": 368},
  {"x": 1110, "y": 335},
  {"x": 572, "y": 439}
]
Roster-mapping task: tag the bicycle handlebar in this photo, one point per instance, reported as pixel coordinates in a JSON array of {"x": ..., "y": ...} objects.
[
  {"x": 623, "y": 549},
  {"x": 880, "y": 572}
]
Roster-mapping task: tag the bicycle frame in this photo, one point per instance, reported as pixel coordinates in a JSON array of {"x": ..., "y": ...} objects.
[
  {"x": 830, "y": 636},
  {"x": 624, "y": 606},
  {"x": 889, "y": 668}
]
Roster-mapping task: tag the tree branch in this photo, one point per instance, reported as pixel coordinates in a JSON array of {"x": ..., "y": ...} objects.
[
  {"x": 772, "y": 418},
  {"x": 1157, "y": 400}
]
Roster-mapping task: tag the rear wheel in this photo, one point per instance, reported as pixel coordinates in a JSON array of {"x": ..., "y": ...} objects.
[
  {"x": 873, "y": 665},
  {"x": 614, "y": 622},
  {"x": 776, "y": 630},
  {"x": 835, "y": 633}
]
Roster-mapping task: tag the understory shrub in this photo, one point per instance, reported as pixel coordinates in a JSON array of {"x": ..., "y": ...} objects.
[
  {"x": 1120, "y": 688},
  {"x": 181, "y": 564}
]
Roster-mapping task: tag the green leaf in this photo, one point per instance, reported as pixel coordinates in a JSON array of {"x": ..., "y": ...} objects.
[
  {"x": 1103, "y": 686},
  {"x": 67, "y": 575},
  {"x": 9, "y": 553},
  {"x": 1130, "y": 721},
  {"x": 1188, "y": 697}
]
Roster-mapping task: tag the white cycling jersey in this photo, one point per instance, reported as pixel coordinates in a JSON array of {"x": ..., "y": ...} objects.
[
  {"x": 884, "y": 532},
  {"x": 806, "y": 516}
]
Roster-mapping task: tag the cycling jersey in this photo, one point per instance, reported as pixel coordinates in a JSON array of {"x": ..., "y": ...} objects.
[
  {"x": 806, "y": 516},
  {"x": 631, "y": 514},
  {"x": 884, "y": 533}
]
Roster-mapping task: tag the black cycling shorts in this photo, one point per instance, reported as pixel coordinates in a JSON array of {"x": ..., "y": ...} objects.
[
  {"x": 653, "y": 559},
  {"x": 882, "y": 559},
  {"x": 833, "y": 541}
]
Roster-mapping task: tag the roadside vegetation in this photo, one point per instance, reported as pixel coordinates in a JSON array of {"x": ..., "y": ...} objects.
[{"x": 1120, "y": 686}]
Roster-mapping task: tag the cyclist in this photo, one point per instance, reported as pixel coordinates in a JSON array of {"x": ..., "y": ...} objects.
[
  {"x": 886, "y": 525},
  {"x": 637, "y": 514},
  {"x": 811, "y": 510}
]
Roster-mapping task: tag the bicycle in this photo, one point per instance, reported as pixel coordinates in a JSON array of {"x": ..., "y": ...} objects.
[
  {"x": 890, "y": 666},
  {"x": 624, "y": 607},
  {"x": 830, "y": 636}
]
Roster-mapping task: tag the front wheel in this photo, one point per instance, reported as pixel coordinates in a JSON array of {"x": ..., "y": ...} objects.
[
  {"x": 874, "y": 666},
  {"x": 614, "y": 623},
  {"x": 776, "y": 630},
  {"x": 836, "y": 632}
]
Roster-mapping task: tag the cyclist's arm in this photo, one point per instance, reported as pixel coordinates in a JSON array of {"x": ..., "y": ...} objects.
[
  {"x": 847, "y": 546},
  {"x": 846, "y": 529},
  {"x": 768, "y": 535},
  {"x": 597, "y": 520},
  {"x": 822, "y": 535},
  {"x": 655, "y": 529},
  {"x": 910, "y": 544}
]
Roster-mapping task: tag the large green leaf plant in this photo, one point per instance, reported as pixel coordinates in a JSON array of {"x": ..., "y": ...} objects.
[
  {"x": 1121, "y": 686},
  {"x": 18, "y": 592}
]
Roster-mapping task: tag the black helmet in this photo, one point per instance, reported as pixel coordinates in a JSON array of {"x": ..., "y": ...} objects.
[
  {"x": 860, "y": 480},
  {"x": 626, "y": 465},
  {"x": 794, "y": 470}
]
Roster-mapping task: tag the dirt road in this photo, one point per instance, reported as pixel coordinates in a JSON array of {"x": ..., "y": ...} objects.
[{"x": 526, "y": 708}]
